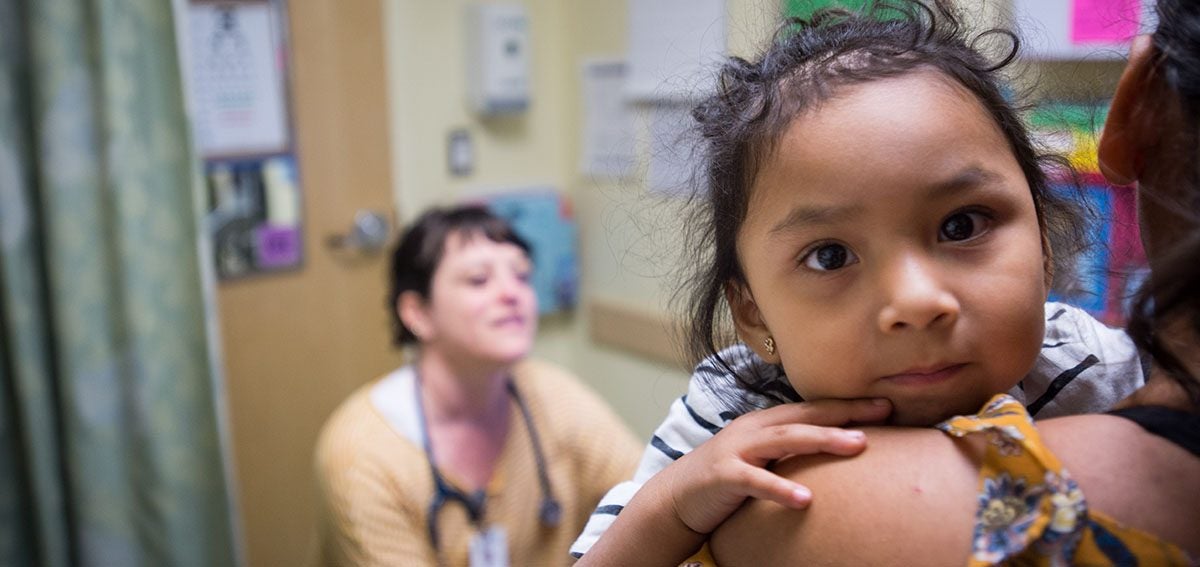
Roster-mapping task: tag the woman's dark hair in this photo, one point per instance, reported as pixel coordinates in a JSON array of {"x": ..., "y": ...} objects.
[
  {"x": 421, "y": 247},
  {"x": 810, "y": 61},
  {"x": 1172, "y": 294}
]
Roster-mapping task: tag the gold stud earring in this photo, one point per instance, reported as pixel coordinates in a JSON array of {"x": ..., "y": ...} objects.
[{"x": 769, "y": 344}]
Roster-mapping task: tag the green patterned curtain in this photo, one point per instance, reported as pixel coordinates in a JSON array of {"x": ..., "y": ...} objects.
[{"x": 109, "y": 446}]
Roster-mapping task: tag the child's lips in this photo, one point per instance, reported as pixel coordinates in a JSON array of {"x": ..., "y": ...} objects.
[{"x": 926, "y": 375}]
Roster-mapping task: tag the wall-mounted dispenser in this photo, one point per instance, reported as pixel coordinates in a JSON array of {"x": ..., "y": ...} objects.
[{"x": 498, "y": 68}]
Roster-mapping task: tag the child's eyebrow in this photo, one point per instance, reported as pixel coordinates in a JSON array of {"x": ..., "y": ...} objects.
[
  {"x": 969, "y": 179},
  {"x": 815, "y": 215},
  {"x": 973, "y": 177}
]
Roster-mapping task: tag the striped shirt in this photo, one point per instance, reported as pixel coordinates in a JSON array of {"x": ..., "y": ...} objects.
[{"x": 1084, "y": 366}]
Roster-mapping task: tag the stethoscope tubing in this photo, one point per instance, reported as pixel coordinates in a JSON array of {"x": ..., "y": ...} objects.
[{"x": 550, "y": 512}]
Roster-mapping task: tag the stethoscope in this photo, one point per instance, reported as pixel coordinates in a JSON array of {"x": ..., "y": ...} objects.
[{"x": 550, "y": 511}]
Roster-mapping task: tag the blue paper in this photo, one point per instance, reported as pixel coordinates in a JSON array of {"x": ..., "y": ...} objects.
[{"x": 544, "y": 220}]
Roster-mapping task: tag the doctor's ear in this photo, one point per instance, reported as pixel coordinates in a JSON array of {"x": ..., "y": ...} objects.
[
  {"x": 747, "y": 319},
  {"x": 414, "y": 313},
  {"x": 1129, "y": 130}
]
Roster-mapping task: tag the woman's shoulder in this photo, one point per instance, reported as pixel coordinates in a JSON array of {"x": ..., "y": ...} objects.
[
  {"x": 356, "y": 430},
  {"x": 351, "y": 416},
  {"x": 1138, "y": 478}
]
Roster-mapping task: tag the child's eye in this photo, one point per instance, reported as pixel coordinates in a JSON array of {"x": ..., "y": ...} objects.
[
  {"x": 477, "y": 281},
  {"x": 524, "y": 275},
  {"x": 829, "y": 257},
  {"x": 963, "y": 226}
]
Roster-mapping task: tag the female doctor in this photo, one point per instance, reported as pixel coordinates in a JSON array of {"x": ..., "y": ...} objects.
[{"x": 471, "y": 454}]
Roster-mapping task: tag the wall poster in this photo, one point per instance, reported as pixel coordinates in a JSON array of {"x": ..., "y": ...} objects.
[
  {"x": 236, "y": 64},
  {"x": 543, "y": 217}
]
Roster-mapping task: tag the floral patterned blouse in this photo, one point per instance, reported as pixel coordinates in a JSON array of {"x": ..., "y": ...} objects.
[{"x": 1030, "y": 511}]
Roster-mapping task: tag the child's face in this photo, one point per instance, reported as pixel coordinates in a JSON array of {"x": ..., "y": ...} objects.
[{"x": 892, "y": 250}]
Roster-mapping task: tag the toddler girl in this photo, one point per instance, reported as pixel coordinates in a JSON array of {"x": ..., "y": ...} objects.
[{"x": 878, "y": 226}]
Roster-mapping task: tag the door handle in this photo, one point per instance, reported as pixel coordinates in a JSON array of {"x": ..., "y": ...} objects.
[{"x": 368, "y": 235}]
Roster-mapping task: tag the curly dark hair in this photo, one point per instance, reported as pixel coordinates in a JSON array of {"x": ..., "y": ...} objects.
[
  {"x": 810, "y": 61},
  {"x": 1172, "y": 294}
]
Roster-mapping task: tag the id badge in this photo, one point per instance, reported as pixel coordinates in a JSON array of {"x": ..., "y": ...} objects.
[{"x": 489, "y": 548}]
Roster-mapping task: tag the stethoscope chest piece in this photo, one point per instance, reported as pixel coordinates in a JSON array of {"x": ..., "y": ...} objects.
[{"x": 551, "y": 513}]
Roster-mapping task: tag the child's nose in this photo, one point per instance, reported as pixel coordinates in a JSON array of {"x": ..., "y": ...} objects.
[{"x": 916, "y": 296}]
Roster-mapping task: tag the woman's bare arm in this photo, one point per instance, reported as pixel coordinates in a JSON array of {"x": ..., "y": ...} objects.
[
  {"x": 891, "y": 505},
  {"x": 911, "y": 497}
]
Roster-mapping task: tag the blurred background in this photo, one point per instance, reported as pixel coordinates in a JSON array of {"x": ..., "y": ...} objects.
[{"x": 196, "y": 199}]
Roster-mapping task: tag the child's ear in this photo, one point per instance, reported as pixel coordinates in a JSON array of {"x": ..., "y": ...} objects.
[
  {"x": 1047, "y": 260},
  {"x": 748, "y": 320},
  {"x": 1129, "y": 130},
  {"x": 415, "y": 315}
]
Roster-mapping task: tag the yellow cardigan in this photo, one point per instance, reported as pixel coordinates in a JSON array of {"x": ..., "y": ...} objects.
[{"x": 376, "y": 487}]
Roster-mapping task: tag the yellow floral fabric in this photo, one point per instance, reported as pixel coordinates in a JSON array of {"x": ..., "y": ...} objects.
[
  {"x": 702, "y": 558},
  {"x": 1030, "y": 510}
]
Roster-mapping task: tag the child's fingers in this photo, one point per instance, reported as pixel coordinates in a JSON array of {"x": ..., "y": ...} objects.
[
  {"x": 778, "y": 441},
  {"x": 766, "y": 485},
  {"x": 825, "y": 412}
]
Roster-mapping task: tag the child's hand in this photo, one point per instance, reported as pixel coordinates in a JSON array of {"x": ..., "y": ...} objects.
[{"x": 711, "y": 482}]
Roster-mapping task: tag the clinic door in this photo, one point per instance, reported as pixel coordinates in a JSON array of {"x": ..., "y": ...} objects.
[{"x": 295, "y": 344}]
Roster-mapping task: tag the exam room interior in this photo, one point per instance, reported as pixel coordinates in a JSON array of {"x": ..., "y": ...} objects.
[{"x": 620, "y": 339}]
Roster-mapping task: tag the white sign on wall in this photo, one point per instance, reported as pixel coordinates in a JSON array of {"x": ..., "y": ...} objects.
[
  {"x": 674, "y": 48},
  {"x": 237, "y": 79}
]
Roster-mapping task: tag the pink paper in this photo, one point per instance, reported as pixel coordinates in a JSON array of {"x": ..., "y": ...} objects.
[
  {"x": 278, "y": 246},
  {"x": 1104, "y": 21}
]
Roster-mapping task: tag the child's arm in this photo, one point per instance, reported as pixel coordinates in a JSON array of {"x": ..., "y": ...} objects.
[
  {"x": 711, "y": 402},
  {"x": 677, "y": 435},
  {"x": 693, "y": 419},
  {"x": 670, "y": 517}
]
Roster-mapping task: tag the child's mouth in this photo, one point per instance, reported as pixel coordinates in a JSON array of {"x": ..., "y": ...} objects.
[{"x": 925, "y": 376}]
